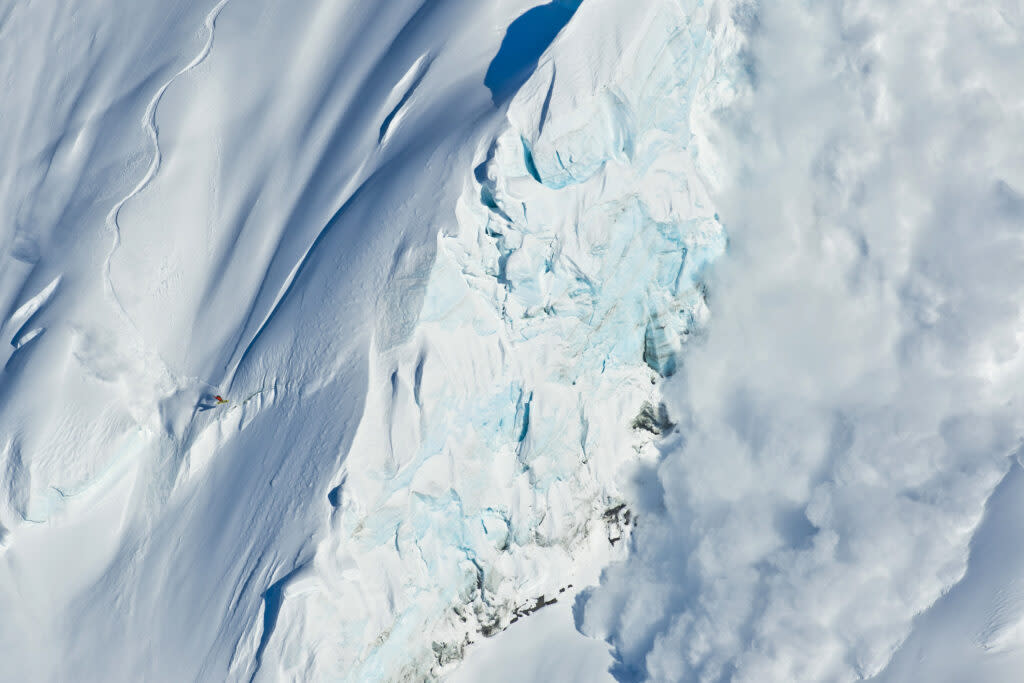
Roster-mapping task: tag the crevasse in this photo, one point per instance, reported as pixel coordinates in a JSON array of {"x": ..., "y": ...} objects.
[{"x": 486, "y": 476}]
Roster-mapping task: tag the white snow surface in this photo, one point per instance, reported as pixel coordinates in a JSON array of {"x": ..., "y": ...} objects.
[{"x": 676, "y": 338}]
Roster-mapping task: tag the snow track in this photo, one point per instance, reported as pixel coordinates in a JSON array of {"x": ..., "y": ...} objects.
[{"x": 149, "y": 124}]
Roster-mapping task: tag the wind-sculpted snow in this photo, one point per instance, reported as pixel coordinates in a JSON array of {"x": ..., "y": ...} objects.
[{"x": 485, "y": 480}]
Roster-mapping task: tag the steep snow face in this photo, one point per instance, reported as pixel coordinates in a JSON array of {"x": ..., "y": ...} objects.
[
  {"x": 204, "y": 199},
  {"x": 74, "y": 149},
  {"x": 453, "y": 279},
  {"x": 306, "y": 210},
  {"x": 486, "y": 478}
]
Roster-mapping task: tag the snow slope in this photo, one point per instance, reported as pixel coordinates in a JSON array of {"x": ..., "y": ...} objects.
[
  {"x": 232, "y": 200},
  {"x": 974, "y": 632},
  {"x": 484, "y": 481},
  {"x": 857, "y": 397},
  {"x": 460, "y": 270}
]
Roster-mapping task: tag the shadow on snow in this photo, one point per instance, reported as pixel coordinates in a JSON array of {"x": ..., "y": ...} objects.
[{"x": 525, "y": 41}]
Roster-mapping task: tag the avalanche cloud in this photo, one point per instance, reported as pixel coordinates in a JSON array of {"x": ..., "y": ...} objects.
[
  {"x": 484, "y": 482},
  {"x": 857, "y": 396}
]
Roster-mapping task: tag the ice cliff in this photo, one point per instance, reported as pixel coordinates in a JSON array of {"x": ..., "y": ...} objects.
[
  {"x": 486, "y": 478},
  {"x": 435, "y": 255}
]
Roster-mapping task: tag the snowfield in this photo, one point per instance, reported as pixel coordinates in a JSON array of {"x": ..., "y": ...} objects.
[{"x": 673, "y": 340}]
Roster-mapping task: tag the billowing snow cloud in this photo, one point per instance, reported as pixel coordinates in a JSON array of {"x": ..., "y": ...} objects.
[{"x": 857, "y": 395}]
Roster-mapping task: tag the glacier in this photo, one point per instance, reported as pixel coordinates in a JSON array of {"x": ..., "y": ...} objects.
[
  {"x": 576, "y": 340},
  {"x": 849, "y": 431},
  {"x": 485, "y": 479},
  {"x": 285, "y": 208}
]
